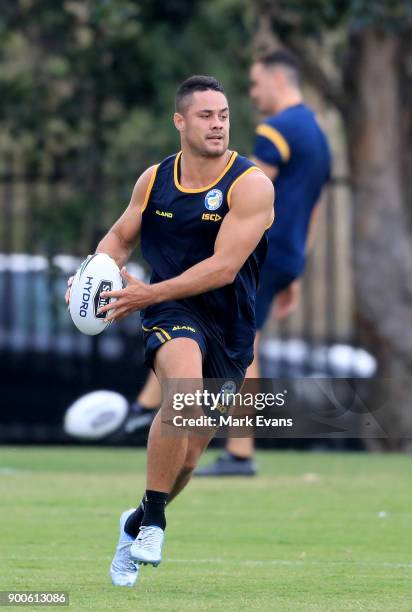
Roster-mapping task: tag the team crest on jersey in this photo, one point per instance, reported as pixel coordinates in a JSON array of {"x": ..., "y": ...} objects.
[
  {"x": 226, "y": 396},
  {"x": 213, "y": 199}
]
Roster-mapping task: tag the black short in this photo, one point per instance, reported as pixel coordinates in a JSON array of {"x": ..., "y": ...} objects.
[{"x": 169, "y": 324}]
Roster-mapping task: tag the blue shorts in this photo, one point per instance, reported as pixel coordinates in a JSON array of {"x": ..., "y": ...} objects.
[
  {"x": 168, "y": 324},
  {"x": 272, "y": 282}
]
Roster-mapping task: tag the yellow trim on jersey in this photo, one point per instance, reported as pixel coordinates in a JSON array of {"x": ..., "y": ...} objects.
[
  {"x": 150, "y": 187},
  {"x": 229, "y": 193},
  {"x": 168, "y": 336},
  {"x": 276, "y": 138},
  {"x": 158, "y": 329},
  {"x": 200, "y": 189}
]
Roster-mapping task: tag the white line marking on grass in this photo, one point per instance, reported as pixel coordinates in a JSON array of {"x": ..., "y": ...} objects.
[
  {"x": 293, "y": 562},
  {"x": 219, "y": 560}
]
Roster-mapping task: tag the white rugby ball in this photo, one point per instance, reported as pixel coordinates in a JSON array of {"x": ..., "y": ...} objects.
[
  {"x": 95, "y": 415},
  {"x": 96, "y": 274}
]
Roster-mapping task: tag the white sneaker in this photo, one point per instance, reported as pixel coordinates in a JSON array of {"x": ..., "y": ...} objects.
[
  {"x": 147, "y": 547},
  {"x": 123, "y": 571}
]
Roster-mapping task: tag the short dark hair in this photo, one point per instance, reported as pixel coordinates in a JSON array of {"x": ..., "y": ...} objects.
[
  {"x": 192, "y": 84},
  {"x": 281, "y": 57}
]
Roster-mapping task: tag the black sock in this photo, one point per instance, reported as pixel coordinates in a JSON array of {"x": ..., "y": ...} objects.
[
  {"x": 154, "y": 508},
  {"x": 132, "y": 525},
  {"x": 237, "y": 458}
]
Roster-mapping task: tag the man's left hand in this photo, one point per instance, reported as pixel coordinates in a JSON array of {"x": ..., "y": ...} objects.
[
  {"x": 135, "y": 296},
  {"x": 287, "y": 301}
]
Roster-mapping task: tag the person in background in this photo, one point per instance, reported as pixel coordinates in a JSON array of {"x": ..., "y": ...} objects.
[{"x": 293, "y": 151}]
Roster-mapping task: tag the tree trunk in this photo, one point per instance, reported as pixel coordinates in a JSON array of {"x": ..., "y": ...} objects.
[
  {"x": 382, "y": 246},
  {"x": 406, "y": 119}
]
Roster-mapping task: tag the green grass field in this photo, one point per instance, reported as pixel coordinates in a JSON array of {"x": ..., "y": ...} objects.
[{"x": 307, "y": 534}]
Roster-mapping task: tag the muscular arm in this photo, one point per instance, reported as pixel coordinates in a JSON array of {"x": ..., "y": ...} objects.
[
  {"x": 122, "y": 238},
  {"x": 241, "y": 230}
]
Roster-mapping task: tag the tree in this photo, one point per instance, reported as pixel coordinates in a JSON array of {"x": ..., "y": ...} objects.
[
  {"x": 369, "y": 46},
  {"x": 87, "y": 92}
]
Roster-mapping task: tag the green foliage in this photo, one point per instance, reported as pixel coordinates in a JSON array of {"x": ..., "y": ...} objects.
[
  {"x": 310, "y": 18},
  {"x": 87, "y": 88}
]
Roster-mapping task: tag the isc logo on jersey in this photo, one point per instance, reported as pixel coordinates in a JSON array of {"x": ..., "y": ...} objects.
[
  {"x": 213, "y": 199},
  {"x": 211, "y": 217}
]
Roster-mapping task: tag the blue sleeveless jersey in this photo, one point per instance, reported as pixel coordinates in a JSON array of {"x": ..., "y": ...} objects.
[
  {"x": 179, "y": 230},
  {"x": 293, "y": 142}
]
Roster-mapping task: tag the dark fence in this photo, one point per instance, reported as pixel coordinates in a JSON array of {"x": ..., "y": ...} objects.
[
  {"x": 49, "y": 224},
  {"x": 46, "y": 362}
]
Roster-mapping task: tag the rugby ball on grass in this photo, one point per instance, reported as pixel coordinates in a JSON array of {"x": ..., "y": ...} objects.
[
  {"x": 97, "y": 273},
  {"x": 95, "y": 415}
]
